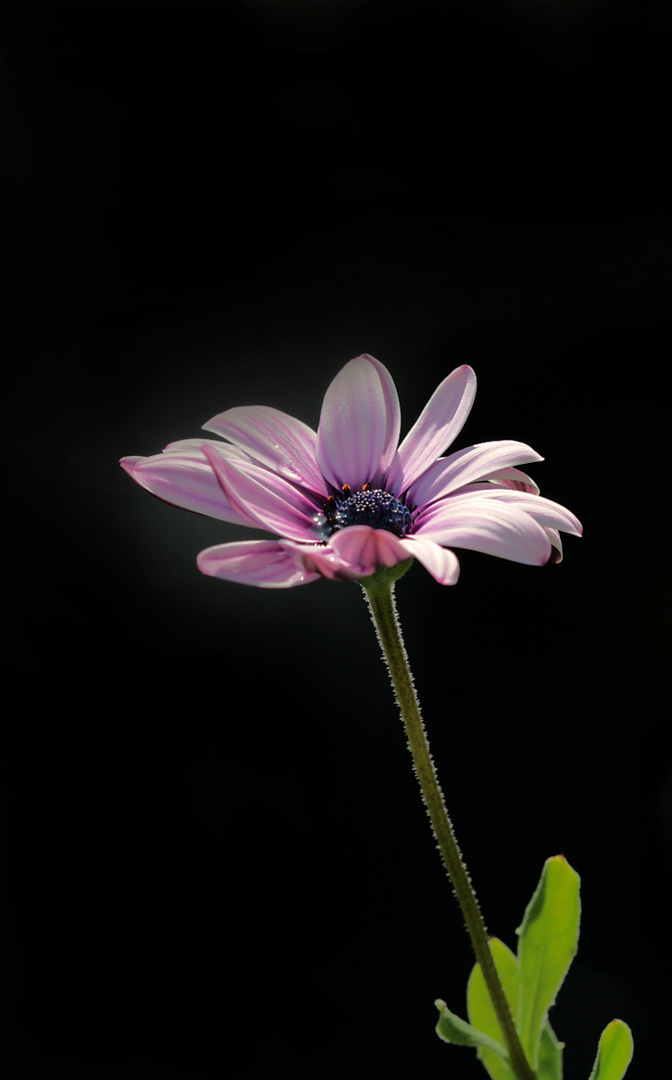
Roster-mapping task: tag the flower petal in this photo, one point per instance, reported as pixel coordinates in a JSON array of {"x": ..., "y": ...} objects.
[
  {"x": 468, "y": 466},
  {"x": 544, "y": 511},
  {"x": 358, "y": 551},
  {"x": 320, "y": 559},
  {"x": 262, "y": 498},
  {"x": 554, "y": 537},
  {"x": 491, "y": 526},
  {"x": 352, "y": 553},
  {"x": 441, "y": 563},
  {"x": 513, "y": 478},
  {"x": 363, "y": 549},
  {"x": 182, "y": 476},
  {"x": 393, "y": 413},
  {"x": 359, "y": 424},
  {"x": 279, "y": 441},
  {"x": 269, "y": 564},
  {"x": 438, "y": 425}
]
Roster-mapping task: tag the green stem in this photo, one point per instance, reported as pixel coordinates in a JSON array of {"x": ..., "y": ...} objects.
[{"x": 379, "y": 591}]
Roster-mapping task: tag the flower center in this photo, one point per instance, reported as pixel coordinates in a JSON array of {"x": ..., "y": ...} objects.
[{"x": 370, "y": 506}]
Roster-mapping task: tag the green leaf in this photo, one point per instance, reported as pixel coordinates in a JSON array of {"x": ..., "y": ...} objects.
[
  {"x": 480, "y": 1009},
  {"x": 453, "y": 1029},
  {"x": 549, "y": 1064},
  {"x": 548, "y": 943},
  {"x": 614, "y": 1052},
  {"x": 479, "y": 1006}
]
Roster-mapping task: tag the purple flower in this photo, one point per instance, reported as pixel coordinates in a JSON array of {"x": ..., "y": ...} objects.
[{"x": 350, "y": 498}]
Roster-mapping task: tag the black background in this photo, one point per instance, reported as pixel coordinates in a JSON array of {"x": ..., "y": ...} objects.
[{"x": 219, "y": 863}]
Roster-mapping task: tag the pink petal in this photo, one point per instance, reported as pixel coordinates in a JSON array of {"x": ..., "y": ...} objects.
[
  {"x": 352, "y": 553},
  {"x": 393, "y": 413},
  {"x": 483, "y": 524},
  {"x": 441, "y": 563},
  {"x": 359, "y": 424},
  {"x": 468, "y": 466},
  {"x": 275, "y": 439},
  {"x": 268, "y": 564},
  {"x": 554, "y": 537},
  {"x": 513, "y": 478},
  {"x": 364, "y": 549},
  {"x": 546, "y": 512},
  {"x": 262, "y": 498},
  {"x": 182, "y": 476},
  {"x": 438, "y": 425},
  {"x": 358, "y": 551},
  {"x": 322, "y": 560}
]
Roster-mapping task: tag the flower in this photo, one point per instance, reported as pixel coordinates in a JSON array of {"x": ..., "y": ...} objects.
[{"x": 349, "y": 498}]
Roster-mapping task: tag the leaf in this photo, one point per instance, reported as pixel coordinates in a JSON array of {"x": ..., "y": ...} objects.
[
  {"x": 614, "y": 1052},
  {"x": 549, "y": 1064},
  {"x": 480, "y": 1009},
  {"x": 453, "y": 1029},
  {"x": 479, "y": 1006},
  {"x": 548, "y": 943}
]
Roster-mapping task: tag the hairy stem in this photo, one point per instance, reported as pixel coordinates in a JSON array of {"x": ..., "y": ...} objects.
[{"x": 379, "y": 591}]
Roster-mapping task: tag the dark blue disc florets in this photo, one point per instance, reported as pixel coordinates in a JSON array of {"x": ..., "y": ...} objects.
[{"x": 372, "y": 507}]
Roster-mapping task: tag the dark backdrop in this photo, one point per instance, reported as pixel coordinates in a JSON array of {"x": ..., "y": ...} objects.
[{"x": 219, "y": 864}]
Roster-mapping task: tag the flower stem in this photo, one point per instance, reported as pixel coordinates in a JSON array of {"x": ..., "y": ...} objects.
[{"x": 379, "y": 591}]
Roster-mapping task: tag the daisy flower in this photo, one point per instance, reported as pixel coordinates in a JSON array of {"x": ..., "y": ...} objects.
[{"x": 350, "y": 498}]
